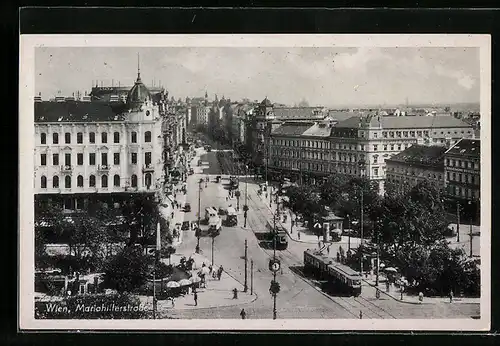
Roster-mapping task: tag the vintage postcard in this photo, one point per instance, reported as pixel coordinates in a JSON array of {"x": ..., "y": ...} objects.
[{"x": 276, "y": 182}]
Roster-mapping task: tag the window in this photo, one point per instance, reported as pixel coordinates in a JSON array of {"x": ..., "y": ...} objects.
[
  {"x": 67, "y": 138},
  {"x": 116, "y": 180},
  {"x": 375, "y": 171},
  {"x": 43, "y": 159},
  {"x": 412, "y": 133},
  {"x": 67, "y": 159},
  {"x": 391, "y": 134},
  {"x": 398, "y": 134},
  {"x": 104, "y": 137},
  {"x": 419, "y": 133},
  {"x": 79, "y": 159},
  {"x": 147, "y": 158},
  {"x": 92, "y": 159},
  {"x": 375, "y": 159},
  {"x": 92, "y": 137},
  {"x": 67, "y": 182},
  {"x": 384, "y": 134},
  {"x": 392, "y": 146},
  {"x": 116, "y": 158},
  {"x": 55, "y": 182},
  {"x": 43, "y": 182},
  {"x": 375, "y": 147},
  {"x": 55, "y": 159},
  {"x": 79, "y": 138},
  {"x": 104, "y": 181},
  {"x": 147, "y": 136},
  {"x": 454, "y": 175},
  {"x": 116, "y": 137},
  {"x": 148, "y": 179},
  {"x": 43, "y": 138},
  {"x": 385, "y": 146},
  {"x": 375, "y": 135},
  {"x": 79, "y": 181},
  {"x": 55, "y": 138},
  {"x": 104, "y": 159},
  {"x": 92, "y": 181}
]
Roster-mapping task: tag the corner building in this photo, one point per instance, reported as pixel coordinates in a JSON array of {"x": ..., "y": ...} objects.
[{"x": 88, "y": 150}]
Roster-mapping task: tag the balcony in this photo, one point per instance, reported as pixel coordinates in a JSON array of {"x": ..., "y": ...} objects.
[
  {"x": 66, "y": 169},
  {"x": 148, "y": 168},
  {"x": 103, "y": 168}
]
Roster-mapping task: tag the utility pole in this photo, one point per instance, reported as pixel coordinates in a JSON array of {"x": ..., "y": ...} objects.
[
  {"x": 274, "y": 272},
  {"x": 199, "y": 217},
  {"x": 361, "y": 241},
  {"x": 378, "y": 259},
  {"x": 470, "y": 229},
  {"x": 251, "y": 277},
  {"x": 213, "y": 240},
  {"x": 245, "y": 286},
  {"x": 349, "y": 235},
  {"x": 458, "y": 222}
]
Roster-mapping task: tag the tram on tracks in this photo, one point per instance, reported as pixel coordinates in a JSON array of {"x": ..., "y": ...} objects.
[{"x": 338, "y": 277}]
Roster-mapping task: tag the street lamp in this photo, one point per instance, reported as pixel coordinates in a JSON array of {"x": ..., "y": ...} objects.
[
  {"x": 199, "y": 217},
  {"x": 470, "y": 227},
  {"x": 349, "y": 234},
  {"x": 274, "y": 266}
]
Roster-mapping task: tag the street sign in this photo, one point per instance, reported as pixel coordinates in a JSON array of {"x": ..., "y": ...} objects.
[
  {"x": 317, "y": 225},
  {"x": 274, "y": 265}
]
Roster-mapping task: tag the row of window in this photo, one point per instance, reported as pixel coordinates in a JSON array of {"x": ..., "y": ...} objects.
[
  {"x": 92, "y": 159},
  {"x": 463, "y": 192},
  {"x": 407, "y": 134},
  {"x": 360, "y": 147},
  {"x": 104, "y": 137},
  {"x": 319, "y": 156},
  {"x": 462, "y": 178},
  {"x": 92, "y": 181},
  {"x": 407, "y": 171},
  {"x": 462, "y": 164}
]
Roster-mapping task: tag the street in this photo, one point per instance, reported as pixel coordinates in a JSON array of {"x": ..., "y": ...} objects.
[{"x": 298, "y": 298}]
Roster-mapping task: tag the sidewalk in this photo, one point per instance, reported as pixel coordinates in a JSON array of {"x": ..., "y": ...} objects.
[
  {"x": 369, "y": 289},
  {"x": 216, "y": 294}
]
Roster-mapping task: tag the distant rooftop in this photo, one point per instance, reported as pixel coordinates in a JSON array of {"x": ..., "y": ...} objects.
[
  {"x": 75, "y": 111},
  {"x": 421, "y": 155},
  {"x": 318, "y": 130},
  {"x": 466, "y": 147},
  {"x": 292, "y": 129},
  {"x": 391, "y": 122},
  {"x": 292, "y": 113}
]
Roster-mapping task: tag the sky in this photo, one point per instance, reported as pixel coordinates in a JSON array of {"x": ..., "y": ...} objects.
[{"x": 330, "y": 77}]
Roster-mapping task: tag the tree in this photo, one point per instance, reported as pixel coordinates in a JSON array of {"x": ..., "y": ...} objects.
[
  {"x": 333, "y": 188},
  {"x": 304, "y": 200},
  {"x": 128, "y": 270}
]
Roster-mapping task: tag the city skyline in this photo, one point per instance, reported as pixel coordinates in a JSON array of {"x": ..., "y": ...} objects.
[{"x": 322, "y": 76}]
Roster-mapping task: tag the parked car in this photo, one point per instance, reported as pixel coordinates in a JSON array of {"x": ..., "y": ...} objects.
[
  {"x": 185, "y": 226},
  {"x": 187, "y": 207}
]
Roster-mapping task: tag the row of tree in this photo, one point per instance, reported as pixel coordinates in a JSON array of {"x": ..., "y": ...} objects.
[{"x": 410, "y": 228}]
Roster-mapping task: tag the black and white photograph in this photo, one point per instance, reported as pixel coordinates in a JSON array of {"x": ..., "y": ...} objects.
[{"x": 330, "y": 182}]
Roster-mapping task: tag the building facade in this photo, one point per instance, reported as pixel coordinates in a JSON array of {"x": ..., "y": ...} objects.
[
  {"x": 86, "y": 149},
  {"x": 462, "y": 170},
  {"x": 414, "y": 165}
]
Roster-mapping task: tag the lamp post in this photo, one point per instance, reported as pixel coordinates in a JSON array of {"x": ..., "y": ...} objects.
[
  {"x": 349, "y": 234},
  {"x": 458, "y": 222},
  {"x": 361, "y": 229},
  {"x": 470, "y": 227},
  {"x": 199, "y": 217},
  {"x": 245, "y": 286}
]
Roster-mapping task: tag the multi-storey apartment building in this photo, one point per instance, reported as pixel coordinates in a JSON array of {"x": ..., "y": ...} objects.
[
  {"x": 413, "y": 165},
  {"x": 462, "y": 169},
  {"x": 359, "y": 145},
  {"x": 91, "y": 150}
]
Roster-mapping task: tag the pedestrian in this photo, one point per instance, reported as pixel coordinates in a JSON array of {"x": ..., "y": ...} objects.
[
  {"x": 451, "y": 296},
  {"x": 420, "y": 297},
  {"x": 243, "y": 314},
  {"x": 298, "y": 234},
  {"x": 328, "y": 250},
  {"x": 195, "y": 296},
  {"x": 211, "y": 269},
  {"x": 319, "y": 244}
]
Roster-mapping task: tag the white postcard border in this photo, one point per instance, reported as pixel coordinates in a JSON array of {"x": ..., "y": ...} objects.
[{"x": 28, "y": 43}]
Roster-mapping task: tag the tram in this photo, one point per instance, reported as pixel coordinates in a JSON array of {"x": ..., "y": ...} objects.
[
  {"x": 281, "y": 239},
  {"x": 338, "y": 277}
]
